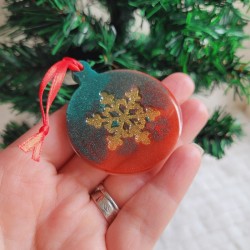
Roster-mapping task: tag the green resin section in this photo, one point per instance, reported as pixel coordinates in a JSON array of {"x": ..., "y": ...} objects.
[{"x": 86, "y": 140}]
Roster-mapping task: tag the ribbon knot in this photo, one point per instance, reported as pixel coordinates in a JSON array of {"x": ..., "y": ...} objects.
[
  {"x": 44, "y": 129},
  {"x": 55, "y": 75}
]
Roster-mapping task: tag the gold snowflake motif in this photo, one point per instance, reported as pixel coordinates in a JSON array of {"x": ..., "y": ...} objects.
[{"x": 123, "y": 118}]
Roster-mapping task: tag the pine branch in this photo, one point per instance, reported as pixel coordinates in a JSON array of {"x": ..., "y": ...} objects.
[
  {"x": 12, "y": 131},
  {"x": 112, "y": 56},
  {"x": 220, "y": 132},
  {"x": 20, "y": 73},
  {"x": 21, "y": 70},
  {"x": 195, "y": 36},
  {"x": 121, "y": 17},
  {"x": 57, "y": 23},
  {"x": 200, "y": 41}
]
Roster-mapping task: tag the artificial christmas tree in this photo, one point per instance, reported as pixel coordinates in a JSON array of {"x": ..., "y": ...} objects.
[{"x": 199, "y": 38}]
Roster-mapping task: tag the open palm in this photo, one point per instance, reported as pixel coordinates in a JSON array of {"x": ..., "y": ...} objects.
[{"x": 47, "y": 205}]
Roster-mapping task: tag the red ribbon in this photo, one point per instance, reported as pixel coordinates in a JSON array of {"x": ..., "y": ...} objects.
[{"x": 55, "y": 74}]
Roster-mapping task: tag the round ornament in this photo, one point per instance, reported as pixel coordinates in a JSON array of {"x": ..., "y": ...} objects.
[{"x": 120, "y": 121}]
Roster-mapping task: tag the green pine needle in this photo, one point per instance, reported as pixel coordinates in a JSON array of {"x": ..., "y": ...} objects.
[
  {"x": 21, "y": 70},
  {"x": 220, "y": 132},
  {"x": 12, "y": 131}
]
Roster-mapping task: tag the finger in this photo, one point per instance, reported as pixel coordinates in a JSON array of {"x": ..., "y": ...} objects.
[
  {"x": 180, "y": 85},
  {"x": 56, "y": 149},
  {"x": 143, "y": 218},
  {"x": 194, "y": 118},
  {"x": 121, "y": 188}
]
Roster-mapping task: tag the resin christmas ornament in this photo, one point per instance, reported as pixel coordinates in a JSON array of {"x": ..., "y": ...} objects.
[{"x": 120, "y": 121}]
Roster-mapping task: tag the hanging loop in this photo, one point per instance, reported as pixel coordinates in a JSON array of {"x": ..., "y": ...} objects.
[{"x": 55, "y": 75}]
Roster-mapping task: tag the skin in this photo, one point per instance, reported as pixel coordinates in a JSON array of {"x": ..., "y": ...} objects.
[{"x": 47, "y": 205}]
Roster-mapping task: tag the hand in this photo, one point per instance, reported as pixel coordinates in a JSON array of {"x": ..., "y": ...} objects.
[{"x": 47, "y": 205}]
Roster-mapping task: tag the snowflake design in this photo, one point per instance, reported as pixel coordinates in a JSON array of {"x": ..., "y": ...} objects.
[{"x": 123, "y": 118}]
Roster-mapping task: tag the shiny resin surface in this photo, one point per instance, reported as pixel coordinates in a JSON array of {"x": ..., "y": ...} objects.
[{"x": 122, "y": 121}]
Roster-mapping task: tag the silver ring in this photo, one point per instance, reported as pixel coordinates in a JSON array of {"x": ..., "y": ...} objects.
[{"x": 105, "y": 203}]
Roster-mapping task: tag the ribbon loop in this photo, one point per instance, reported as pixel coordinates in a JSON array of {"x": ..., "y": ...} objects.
[
  {"x": 55, "y": 75},
  {"x": 73, "y": 64}
]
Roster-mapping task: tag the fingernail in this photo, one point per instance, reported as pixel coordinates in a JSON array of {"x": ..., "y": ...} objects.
[{"x": 199, "y": 148}]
